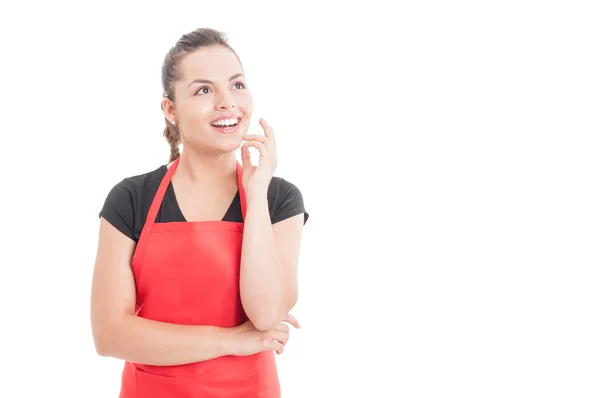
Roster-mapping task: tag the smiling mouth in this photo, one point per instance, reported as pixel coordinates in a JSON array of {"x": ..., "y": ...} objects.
[{"x": 227, "y": 123}]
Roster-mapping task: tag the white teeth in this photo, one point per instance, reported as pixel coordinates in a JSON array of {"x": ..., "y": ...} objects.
[{"x": 225, "y": 122}]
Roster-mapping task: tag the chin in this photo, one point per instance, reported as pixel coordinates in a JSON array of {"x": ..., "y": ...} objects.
[{"x": 232, "y": 144}]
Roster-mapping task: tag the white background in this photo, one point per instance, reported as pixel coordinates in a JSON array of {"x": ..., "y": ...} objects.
[{"x": 447, "y": 153}]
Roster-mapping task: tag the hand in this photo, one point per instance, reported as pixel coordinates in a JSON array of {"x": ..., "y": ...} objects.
[
  {"x": 247, "y": 340},
  {"x": 257, "y": 178}
]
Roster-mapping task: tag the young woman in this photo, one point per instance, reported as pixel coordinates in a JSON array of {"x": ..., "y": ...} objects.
[{"x": 196, "y": 268}]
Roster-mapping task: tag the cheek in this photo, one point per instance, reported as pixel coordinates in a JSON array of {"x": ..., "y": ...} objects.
[
  {"x": 246, "y": 104},
  {"x": 198, "y": 110}
]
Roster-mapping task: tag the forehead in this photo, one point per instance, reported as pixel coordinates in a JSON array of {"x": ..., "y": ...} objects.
[{"x": 215, "y": 63}]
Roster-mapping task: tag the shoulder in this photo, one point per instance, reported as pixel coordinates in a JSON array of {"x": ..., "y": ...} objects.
[
  {"x": 285, "y": 200},
  {"x": 280, "y": 185},
  {"x": 124, "y": 199},
  {"x": 150, "y": 179},
  {"x": 134, "y": 186}
]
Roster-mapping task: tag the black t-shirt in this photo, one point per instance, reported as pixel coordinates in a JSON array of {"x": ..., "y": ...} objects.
[{"x": 128, "y": 202}]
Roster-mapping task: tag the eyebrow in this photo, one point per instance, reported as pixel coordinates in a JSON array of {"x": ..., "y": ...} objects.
[{"x": 211, "y": 82}]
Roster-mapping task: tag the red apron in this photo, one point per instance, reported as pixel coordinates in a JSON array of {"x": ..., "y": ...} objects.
[{"x": 188, "y": 273}]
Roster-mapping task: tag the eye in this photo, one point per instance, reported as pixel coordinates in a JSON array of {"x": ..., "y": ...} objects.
[
  {"x": 202, "y": 88},
  {"x": 240, "y": 83}
]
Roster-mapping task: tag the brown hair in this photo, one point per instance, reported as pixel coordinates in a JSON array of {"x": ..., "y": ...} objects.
[{"x": 188, "y": 43}]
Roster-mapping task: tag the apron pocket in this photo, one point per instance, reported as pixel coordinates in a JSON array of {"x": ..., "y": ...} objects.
[{"x": 150, "y": 385}]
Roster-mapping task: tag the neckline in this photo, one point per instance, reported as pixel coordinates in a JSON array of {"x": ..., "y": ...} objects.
[
  {"x": 166, "y": 185},
  {"x": 180, "y": 215}
]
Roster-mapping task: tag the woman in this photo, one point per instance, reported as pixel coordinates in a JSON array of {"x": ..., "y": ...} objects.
[{"x": 196, "y": 303}]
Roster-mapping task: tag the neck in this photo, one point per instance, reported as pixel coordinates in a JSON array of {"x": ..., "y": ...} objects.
[{"x": 204, "y": 170}]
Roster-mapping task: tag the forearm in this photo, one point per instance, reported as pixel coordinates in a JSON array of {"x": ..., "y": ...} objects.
[
  {"x": 266, "y": 290},
  {"x": 149, "y": 342}
]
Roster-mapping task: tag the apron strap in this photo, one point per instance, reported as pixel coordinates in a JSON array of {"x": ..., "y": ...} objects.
[
  {"x": 152, "y": 213},
  {"x": 160, "y": 194},
  {"x": 240, "y": 174}
]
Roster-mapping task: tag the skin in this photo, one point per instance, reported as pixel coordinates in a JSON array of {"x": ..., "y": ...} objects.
[{"x": 205, "y": 183}]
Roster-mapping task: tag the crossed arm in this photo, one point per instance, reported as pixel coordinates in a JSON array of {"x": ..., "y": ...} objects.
[{"x": 269, "y": 266}]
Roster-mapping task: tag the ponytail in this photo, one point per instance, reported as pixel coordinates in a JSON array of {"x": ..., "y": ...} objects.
[{"x": 173, "y": 137}]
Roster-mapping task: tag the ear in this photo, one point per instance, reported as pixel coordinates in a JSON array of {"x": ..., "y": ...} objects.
[{"x": 168, "y": 109}]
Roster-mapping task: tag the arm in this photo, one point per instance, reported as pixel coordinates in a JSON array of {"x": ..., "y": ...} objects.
[
  {"x": 268, "y": 275},
  {"x": 119, "y": 333}
]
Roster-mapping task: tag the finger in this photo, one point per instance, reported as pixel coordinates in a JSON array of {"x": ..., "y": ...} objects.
[
  {"x": 265, "y": 126},
  {"x": 275, "y": 346},
  {"x": 257, "y": 137},
  {"x": 262, "y": 149},
  {"x": 271, "y": 344},
  {"x": 246, "y": 160},
  {"x": 269, "y": 142},
  {"x": 269, "y": 133},
  {"x": 281, "y": 337},
  {"x": 282, "y": 327},
  {"x": 289, "y": 318}
]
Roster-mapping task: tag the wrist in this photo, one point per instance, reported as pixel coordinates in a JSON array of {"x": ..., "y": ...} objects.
[
  {"x": 227, "y": 341},
  {"x": 253, "y": 198}
]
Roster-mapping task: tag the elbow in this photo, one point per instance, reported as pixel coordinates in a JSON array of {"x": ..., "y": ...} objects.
[
  {"x": 269, "y": 320},
  {"x": 265, "y": 324},
  {"x": 102, "y": 352},
  {"x": 104, "y": 341},
  {"x": 266, "y": 320},
  {"x": 102, "y": 347}
]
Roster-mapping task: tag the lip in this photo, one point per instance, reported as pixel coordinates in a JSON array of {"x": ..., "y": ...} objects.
[
  {"x": 227, "y": 117},
  {"x": 227, "y": 131}
]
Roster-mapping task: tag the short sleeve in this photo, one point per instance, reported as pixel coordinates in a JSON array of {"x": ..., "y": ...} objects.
[
  {"x": 119, "y": 208},
  {"x": 289, "y": 203}
]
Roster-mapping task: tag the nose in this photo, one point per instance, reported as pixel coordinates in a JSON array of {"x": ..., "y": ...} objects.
[{"x": 226, "y": 102}]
